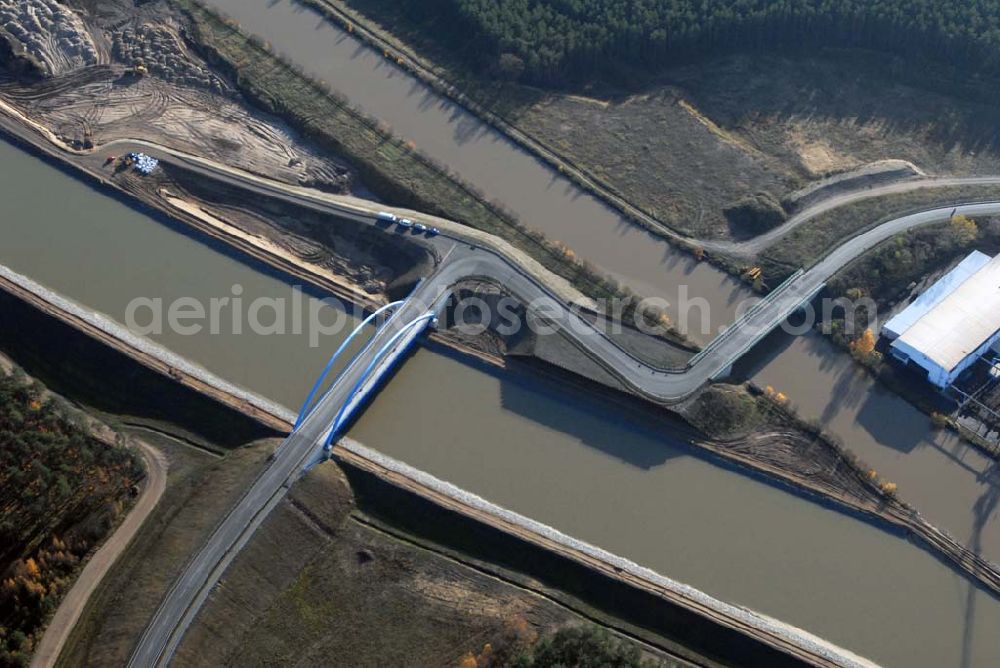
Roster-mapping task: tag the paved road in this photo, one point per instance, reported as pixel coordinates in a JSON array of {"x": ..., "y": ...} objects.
[
  {"x": 162, "y": 636},
  {"x": 462, "y": 261},
  {"x": 472, "y": 258},
  {"x": 746, "y": 247},
  {"x": 758, "y": 244},
  {"x": 462, "y": 258}
]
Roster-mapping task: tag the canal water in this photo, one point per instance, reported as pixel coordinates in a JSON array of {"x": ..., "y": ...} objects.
[
  {"x": 552, "y": 454},
  {"x": 103, "y": 254},
  {"x": 540, "y": 197},
  {"x": 951, "y": 483},
  {"x": 572, "y": 462}
]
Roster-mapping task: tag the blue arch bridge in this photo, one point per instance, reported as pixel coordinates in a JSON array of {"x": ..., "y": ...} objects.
[{"x": 397, "y": 327}]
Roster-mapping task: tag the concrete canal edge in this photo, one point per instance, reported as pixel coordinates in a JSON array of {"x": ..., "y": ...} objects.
[
  {"x": 741, "y": 634},
  {"x": 760, "y": 634},
  {"x": 279, "y": 418}
]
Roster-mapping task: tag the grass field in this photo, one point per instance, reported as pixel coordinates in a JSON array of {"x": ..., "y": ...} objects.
[{"x": 322, "y": 583}]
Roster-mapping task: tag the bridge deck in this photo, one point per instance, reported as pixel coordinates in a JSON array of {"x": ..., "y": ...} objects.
[{"x": 302, "y": 447}]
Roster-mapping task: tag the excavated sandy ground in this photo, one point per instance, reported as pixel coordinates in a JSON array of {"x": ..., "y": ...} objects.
[
  {"x": 92, "y": 97},
  {"x": 51, "y": 32}
]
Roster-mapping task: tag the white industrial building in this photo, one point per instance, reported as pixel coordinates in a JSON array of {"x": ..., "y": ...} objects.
[{"x": 952, "y": 323}]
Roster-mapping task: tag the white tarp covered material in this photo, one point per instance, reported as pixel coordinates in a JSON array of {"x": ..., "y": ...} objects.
[
  {"x": 144, "y": 164},
  {"x": 934, "y": 295},
  {"x": 951, "y": 335}
]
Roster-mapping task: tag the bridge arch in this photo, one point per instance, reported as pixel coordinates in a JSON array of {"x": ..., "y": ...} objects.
[
  {"x": 305, "y": 411},
  {"x": 339, "y": 419}
]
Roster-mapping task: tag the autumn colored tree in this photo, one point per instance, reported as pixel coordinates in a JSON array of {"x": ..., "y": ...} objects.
[
  {"x": 582, "y": 647},
  {"x": 939, "y": 420},
  {"x": 54, "y": 477},
  {"x": 864, "y": 344},
  {"x": 964, "y": 228}
]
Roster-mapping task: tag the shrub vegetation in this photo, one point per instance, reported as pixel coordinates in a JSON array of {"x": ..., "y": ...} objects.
[
  {"x": 578, "y": 646},
  {"x": 585, "y": 647},
  {"x": 726, "y": 412},
  {"x": 756, "y": 213}
]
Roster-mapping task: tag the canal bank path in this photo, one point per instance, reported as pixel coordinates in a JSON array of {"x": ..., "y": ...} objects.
[
  {"x": 72, "y": 605},
  {"x": 539, "y": 449}
]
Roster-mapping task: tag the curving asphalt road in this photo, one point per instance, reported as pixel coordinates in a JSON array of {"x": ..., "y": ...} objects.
[
  {"x": 302, "y": 448},
  {"x": 666, "y": 385},
  {"x": 462, "y": 260},
  {"x": 464, "y": 257},
  {"x": 472, "y": 258},
  {"x": 761, "y": 242}
]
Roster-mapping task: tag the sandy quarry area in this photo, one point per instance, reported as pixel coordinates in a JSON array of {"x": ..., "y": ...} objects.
[
  {"x": 51, "y": 32},
  {"x": 91, "y": 94}
]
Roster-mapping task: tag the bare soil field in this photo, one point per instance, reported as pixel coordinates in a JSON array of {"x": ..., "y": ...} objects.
[
  {"x": 344, "y": 251},
  {"x": 95, "y": 106},
  {"x": 843, "y": 108},
  {"x": 174, "y": 73},
  {"x": 658, "y": 152},
  {"x": 94, "y": 98},
  {"x": 710, "y": 134}
]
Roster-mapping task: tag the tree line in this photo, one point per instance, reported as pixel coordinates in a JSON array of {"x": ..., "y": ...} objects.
[
  {"x": 560, "y": 41},
  {"x": 60, "y": 492}
]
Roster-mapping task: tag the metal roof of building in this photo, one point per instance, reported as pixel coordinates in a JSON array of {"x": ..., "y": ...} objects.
[
  {"x": 962, "y": 321},
  {"x": 932, "y": 296}
]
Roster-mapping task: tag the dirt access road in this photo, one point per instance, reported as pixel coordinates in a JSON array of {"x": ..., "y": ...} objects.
[{"x": 72, "y": 605}]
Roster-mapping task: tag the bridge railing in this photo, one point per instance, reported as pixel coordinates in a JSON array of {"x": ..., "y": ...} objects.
[
  {"x": 742, "y": 320},
  {"x": 745, "y": 348},
  {"x": 343, "y": 413},
  {"x": 305, "y": 411}
]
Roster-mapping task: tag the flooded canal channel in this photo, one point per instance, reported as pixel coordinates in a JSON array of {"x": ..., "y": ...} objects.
[
  {"x": 951, "y": 483},
  {"x": 528, "y": 443}
]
